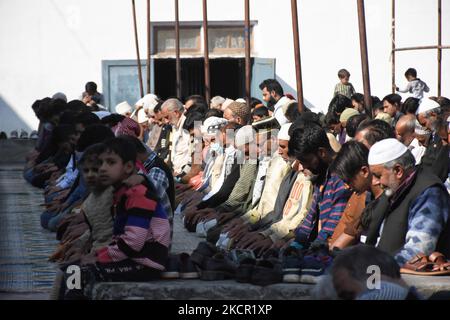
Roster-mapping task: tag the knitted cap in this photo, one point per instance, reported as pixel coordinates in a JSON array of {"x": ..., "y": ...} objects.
[
  {"x": 240, "y": 109},
  {"x": 347, "y": 114}
]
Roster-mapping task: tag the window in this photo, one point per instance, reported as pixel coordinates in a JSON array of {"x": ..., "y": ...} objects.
[
  {"x": 189, "y": 40},
  {"x": 226, "y": 39}
]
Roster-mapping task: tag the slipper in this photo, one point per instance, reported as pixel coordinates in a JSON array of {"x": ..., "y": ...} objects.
[
  {"x": 441, "y": 263},
  {"x": 420, "y": 265}
]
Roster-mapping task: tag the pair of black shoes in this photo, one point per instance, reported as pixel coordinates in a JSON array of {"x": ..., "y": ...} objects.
[{"x": 180, "y": 266}]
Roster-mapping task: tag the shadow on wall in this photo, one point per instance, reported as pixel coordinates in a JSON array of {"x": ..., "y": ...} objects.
[
  {"x": 10, "y": 120},
  {"x": 288, "y": 89}
]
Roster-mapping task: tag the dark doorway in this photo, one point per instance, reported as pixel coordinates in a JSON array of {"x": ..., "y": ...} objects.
[{"x": 227, "y": 77}]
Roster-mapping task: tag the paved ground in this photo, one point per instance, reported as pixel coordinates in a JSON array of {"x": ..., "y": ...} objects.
[{"x": 24, "y": 245}]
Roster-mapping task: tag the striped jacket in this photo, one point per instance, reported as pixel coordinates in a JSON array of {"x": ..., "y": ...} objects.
[
  {"x": 329, "y": 201},
  {"x": 344, "y": 89},
  {"x": 141, "y": 229}
]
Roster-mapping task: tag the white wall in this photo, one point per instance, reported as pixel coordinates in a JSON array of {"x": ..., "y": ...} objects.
[{"x": 57, "y": 45}]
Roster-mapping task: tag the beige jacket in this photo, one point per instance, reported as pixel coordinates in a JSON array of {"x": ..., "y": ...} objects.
[
  {"x": 276, "y": 171},
  {"x": 180, "y": 153},
  {"x": 295, "y": 209},
  {"x": 97, "y": 209}
]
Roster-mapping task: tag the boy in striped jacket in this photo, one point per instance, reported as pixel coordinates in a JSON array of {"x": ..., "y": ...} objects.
[{"x": 141, "y": 235}]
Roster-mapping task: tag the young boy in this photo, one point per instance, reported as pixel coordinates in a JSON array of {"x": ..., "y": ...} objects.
[
  {"x": 415, "y": 85},
  {"x": 344, "y": 87},
  {"x": 141, "y": 234}
]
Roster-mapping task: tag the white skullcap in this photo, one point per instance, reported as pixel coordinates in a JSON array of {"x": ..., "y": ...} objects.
[
  {"x": 386, "y": 150},
  {"x": 60, "y": 95},
  {"x": 226, "y": 103},
  {"x": 427, "y": 105},
  {"x": 217, "y": 101},
  {"x": 148, "y": 102},
  {"x": 241, "y": 100},
  {"x": 244, "y": 135},
  {"x": 211, "y": 125},
  {"x": 123, "y": 108},
  {"x": 102, "y": 113},
  {"x": 283, "y": 134},
  {"x": 142, "y": 116},
  {"x": 421, "y": 130}
]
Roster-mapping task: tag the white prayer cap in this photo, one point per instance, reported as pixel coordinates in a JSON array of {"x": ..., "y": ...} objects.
[
  {"x": 123, "y": 108},
  {"x": 60, "y": 95},
  {"x": 211, "y": 125},
  {"x": 386, "y": 150},
  {"x": 420, "y": 130},
  {"x": 426, "y": 105},
  {"x": 142, "y": 116},
  {"x": 283, "y": 134},
  {"x": 217, "y": 101},
  {"x": 241, "y": 100},
  {"x": 226, "y": 103},
  {"x": 148, "y": 102},
  {"x": 102, "y": 113},
  {"x": 244, "y": 135}
]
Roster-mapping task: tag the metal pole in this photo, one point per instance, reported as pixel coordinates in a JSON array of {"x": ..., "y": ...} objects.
[
  {"x": 148, "y": 46},
  {"x": 247, "y": 52},
  {"x": 177, "y": 51},
  {"x": 137, "y": 49},
  {"x": 298, "y": 67},
  {"x": 364, "y": 58},
  {"x": 422, "y": 48},
  {"x": 439, "y": 53},
  {"x": 393, "y": 46},
  {"x": 206, "y": 52}
]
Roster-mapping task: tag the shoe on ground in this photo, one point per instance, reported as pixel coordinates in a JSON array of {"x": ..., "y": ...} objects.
[
  {"x": 187, "y": 269},
  {"x": 14, "y": 135},
  {"x": 245, "y": 270},
  {"x": 172, "y": 268},
  {"x": 266, "y": 272},
  {"x": 292, "y": 259},
  {"x": 219, "y": 267},
  {"x": 313, "y": 267},
  {"x": 34, "y": 134},
  {"x": 23, "y": 134},
  {"x": 203, "y": 251}
]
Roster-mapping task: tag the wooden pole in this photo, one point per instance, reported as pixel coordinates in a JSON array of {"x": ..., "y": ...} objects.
[
  {"x": 206, "y": 52},
  {"x": 393, "y": 45},
  {"x": 247, "y": 53},
  {"x": 364, "y": 55},
  {"x": 298, "y": 67},
  {"x": 137, "y": 49},
  {"x": 148, "y": 46},
  {"x": 439, "y": 52},
  {"x": 177, "y": 51}
]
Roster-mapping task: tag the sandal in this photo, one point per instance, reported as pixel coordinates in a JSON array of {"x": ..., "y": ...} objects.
[
  {"x": 421, "y": 265},
  {"x": 418, "y": 265},
  {"x": 441, "y": 265}
]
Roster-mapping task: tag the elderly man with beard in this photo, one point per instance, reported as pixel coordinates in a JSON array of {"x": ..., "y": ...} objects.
[
  {"x": 416, "y": 219},
  {"x": 436, "y": 158}
]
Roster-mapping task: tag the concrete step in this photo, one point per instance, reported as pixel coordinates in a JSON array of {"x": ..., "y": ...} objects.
[{"x": 232, "y": 290}]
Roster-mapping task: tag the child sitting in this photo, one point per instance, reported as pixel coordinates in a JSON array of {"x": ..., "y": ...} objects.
[
  {"x": 415, "y": 85},
  {"x": 141, "y": 234},
  {"x": 344, "y": 87}
]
